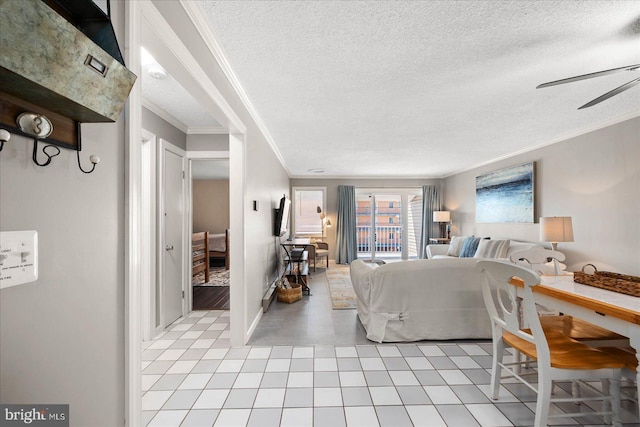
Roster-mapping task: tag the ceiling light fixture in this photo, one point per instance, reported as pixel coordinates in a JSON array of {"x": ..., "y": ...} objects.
[
  {"x": 316, "y": 170},
  {"x": 157, "y": 72}
]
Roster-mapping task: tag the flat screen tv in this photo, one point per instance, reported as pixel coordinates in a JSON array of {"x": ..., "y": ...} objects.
[{"x": 281, "y": 222}]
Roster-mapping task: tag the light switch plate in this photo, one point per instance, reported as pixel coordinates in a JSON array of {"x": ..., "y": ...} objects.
[{"x": 18, "y": 257}]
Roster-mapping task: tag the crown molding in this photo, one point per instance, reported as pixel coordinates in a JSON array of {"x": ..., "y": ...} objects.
[
  {"x": 199, "y": 20},
  {"x": 164, "y": 115},
  {"x": 358, "y": 177}
]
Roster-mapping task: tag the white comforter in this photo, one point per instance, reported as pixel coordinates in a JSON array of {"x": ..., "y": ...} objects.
[
  {"x": 218, "y": 242},
  {"x": 430, "y": 299}
]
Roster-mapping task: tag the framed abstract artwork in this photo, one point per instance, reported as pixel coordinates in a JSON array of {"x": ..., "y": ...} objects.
[{"x": 506, "y": 195}]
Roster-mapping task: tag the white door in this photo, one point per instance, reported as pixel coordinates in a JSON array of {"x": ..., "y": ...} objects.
[{"x": 172, "y": 218}]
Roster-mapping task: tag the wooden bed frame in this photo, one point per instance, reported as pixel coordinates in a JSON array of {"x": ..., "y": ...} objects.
[
  {"x": 199, "y": 249},
  {"x": 225, "y": 254}
]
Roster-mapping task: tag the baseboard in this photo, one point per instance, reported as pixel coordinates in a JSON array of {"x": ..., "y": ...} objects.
[
  {"x": 253, "y": 326},
  {"x": 268, "y": 297}
]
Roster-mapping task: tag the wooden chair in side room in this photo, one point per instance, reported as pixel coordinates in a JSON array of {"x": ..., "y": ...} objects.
[
  {"x": 556, "y": 356},
  {"x": 311, "y": 251},
  {"x": 322, "y": 251}
]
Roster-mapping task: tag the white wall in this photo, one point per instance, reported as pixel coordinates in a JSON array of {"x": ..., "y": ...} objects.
[
  {"x": 215, "y": 142},
  {"x": 62, "y": 336},
  {"x": 163, "y": 129},
  {"x": 210, "y": 205},
  {"x": 594, "y": 178}
]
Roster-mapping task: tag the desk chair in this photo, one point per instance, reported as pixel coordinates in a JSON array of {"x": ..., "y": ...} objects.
[
  {"x": 322, "y": 251},
  {"x": 556, "y": 356}
]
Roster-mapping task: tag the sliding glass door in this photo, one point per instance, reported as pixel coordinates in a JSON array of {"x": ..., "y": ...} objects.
[{"x": 388, "y": 223}]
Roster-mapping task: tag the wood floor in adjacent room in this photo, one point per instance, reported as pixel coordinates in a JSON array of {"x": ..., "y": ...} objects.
[{"x": 211, "y": 297}]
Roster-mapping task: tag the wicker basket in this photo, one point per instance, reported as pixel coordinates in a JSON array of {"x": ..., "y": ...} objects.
[
  {"x": 290, "y": 295},
  {"x": 621, "y": 283}
]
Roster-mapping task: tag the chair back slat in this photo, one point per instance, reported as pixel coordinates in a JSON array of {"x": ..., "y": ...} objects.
[{"x": 497, "y": 288}]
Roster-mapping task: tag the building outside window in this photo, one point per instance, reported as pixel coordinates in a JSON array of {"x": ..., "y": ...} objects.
[{"x": 306, "y": 218}]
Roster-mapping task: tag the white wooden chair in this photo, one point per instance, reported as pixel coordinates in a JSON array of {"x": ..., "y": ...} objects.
[{"x": 556, "y": 356}]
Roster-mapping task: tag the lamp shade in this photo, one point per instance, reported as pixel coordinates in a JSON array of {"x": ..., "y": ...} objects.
[
  {"x": 556, "y": 229},
  {"x": 441, "y": 216}
]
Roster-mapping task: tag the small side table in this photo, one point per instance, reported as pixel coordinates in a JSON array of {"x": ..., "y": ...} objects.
[{"x": 439, "y": 240}]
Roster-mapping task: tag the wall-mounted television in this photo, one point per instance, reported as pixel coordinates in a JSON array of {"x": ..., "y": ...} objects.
[{"x": 280, "y": 225}]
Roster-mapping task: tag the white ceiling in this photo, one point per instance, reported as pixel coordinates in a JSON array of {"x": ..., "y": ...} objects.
[
  {"x": 425, "y": 89},
  {"x": 415, "y": 89},
  {"x": 168, "y": 99}
]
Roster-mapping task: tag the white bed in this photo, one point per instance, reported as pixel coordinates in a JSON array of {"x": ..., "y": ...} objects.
[{"x": 219, "y": 247}]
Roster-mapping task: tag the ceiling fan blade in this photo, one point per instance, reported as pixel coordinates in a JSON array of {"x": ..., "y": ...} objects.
[
  {"x": 589, "y": 76},
  {"x": 609, "y": 94}
]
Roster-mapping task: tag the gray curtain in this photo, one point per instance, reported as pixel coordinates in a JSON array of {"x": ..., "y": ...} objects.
[
  {"x": 431, "y": 201},
  {"x": 346, "y": 241}
]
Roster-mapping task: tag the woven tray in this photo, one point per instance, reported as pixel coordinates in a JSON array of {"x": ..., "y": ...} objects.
[
  {"x": 290, "y": 295},
  {"x": 621, "y": 283}
]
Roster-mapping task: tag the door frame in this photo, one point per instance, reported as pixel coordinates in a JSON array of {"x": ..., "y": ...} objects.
[
  {"x": 168, "y": 146},
  {"x": 191, "y": 156},
  {"x": 149, "y": 231},
  {"x": 142, "y": 18}
]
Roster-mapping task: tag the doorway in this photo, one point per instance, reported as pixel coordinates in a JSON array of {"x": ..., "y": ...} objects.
[
  {"x": 209, "y": 178},
  {"x": 388, "y": 223},
  {"x": 145, "y": 22}
]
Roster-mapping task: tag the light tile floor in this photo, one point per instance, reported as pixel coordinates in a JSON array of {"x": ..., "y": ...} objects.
[{"x": 191, "y": 377}]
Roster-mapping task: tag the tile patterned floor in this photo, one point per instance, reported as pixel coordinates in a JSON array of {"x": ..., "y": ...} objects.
[{"x": 191, "y": 377}]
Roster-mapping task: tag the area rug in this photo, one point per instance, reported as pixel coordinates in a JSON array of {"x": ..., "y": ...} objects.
[
  {"x": 218, "y": 276},
  {"x": 342, "y": 294}
]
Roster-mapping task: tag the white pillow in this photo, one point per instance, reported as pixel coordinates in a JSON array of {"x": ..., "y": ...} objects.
[
  {"x": 492, "y": 249},
  {"x": 455, "y": 247}
]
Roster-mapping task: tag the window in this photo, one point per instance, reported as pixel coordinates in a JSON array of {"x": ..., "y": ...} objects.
[
  {"x": 390, "y": 205},
  {"x": 391, "y": 220},
  {"x": 306, "y": 218}
]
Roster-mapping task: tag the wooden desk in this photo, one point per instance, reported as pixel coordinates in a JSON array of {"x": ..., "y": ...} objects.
[{"x": 611, "y": 310}]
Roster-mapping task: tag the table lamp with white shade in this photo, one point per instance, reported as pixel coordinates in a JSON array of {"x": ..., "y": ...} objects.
[
  {"x": 556, "y": 229},
  {"x": 443, "y": 217}
]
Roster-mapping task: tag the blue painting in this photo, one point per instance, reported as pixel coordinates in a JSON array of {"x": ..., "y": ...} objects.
[{"x": 506, "y": 195}]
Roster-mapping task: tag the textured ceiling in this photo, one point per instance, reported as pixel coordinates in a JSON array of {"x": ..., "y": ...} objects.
[
  {"x": 424, "y": 89},
  {"x": 172, "y": 101}
]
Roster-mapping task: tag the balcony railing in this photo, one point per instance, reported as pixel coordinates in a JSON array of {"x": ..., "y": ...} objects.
[{"x": 388, "y": 238}]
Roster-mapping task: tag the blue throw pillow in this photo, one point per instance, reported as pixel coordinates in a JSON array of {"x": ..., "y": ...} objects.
[{"x": 469, "y": 247}]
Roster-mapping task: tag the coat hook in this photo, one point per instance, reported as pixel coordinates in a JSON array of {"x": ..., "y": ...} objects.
[
  {"x": 4, "y": 137},
  {"x": 34, "y": 157},
  {"x": 92, "y": 158}
]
